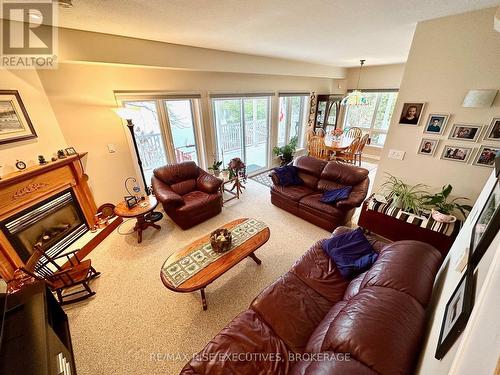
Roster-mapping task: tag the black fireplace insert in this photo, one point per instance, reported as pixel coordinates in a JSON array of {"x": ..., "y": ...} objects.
[{"x": 53, "y": 224}]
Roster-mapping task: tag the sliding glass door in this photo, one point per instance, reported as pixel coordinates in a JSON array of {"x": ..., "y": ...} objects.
[
  {"x": 165, "y": 132},
  {"x": 242, "y": 130}
]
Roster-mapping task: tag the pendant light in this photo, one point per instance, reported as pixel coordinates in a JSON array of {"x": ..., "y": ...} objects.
[{"x": 356, "y": 97}]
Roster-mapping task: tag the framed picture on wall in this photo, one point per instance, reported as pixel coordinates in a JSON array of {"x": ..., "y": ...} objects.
[
  {"x": 465, "y": 132},
  {"x": 436, "y": 123},
  {"x": 456, "y": 314},
  {"x": 457, "y": 153},
  {"x": 486, "y": 227},
  {"x": 493, "y": 131},
  {"x": 411, "y": 113},
  {"x": 486, "y": 156},
  {"x": 428, "y": 147},
  {"x": 15, "y": 124}
]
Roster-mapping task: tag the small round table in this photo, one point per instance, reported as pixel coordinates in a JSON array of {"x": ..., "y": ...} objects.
[{"x": 138, "y": 211}]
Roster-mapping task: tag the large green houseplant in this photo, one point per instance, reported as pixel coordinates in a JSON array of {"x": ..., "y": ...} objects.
[
  {"x": 287, "y": 151},
  {"x": 442, "y": 207},
  {"x": 406, "y": 197}
]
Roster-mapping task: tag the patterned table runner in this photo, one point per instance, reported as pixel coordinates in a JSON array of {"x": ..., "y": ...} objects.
[
  {"x": 203, "y": 255},
  {"x": 448, "y": 229}
]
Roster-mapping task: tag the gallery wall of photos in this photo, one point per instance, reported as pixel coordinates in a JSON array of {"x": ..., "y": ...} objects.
[{"x": 484, "y": 139}]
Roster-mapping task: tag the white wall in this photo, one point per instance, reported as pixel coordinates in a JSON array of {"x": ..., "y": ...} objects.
[
  {"x": 448, "y": 57},
  {"x": 480, "y": 347},
  {"x": 50, "y": 138}
]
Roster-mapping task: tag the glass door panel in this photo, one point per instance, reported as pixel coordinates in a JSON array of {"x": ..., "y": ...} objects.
[
  {"x": 255, "y": 129},
  {"x": 282, "y": 121},
  {"x": 180, "y": 118},
  {"x": 148, "y": 136},
  {"x": 229, "y": 128}
]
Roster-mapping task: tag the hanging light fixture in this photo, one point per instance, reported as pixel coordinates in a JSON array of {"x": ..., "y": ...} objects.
[{"x": 356, "y": 97}]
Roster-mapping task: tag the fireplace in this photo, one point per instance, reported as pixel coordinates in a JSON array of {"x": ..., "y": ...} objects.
[{"x": 53, "y": 224}]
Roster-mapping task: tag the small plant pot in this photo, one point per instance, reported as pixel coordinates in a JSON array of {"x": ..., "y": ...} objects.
[
  {"x": 216, "y": 173},
  {"x": 225, "y": 174},
  {"x": 442, "y": 218}
]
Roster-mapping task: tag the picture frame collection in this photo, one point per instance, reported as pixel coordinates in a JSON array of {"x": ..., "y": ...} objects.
[
  {"x": 459, "y": 306},
  {"x": 436, "y": 125}
]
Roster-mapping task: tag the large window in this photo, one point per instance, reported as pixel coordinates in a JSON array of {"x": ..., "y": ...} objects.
[
  {"x": 165, "y": 131},
  {"x": 292, "y": 116},
  {"x": 373, "y": 118},
  {"x": 242, "y": 125}
]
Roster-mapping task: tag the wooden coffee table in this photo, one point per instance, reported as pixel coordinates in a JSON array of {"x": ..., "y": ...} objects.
[
  {"x": 193, "y": 258},
  {"x": 138, "y": 211}
]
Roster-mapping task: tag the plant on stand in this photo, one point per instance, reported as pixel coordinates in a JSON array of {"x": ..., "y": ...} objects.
[
  {"x": 287, "y": 151},
  {"x": 442, "y": 208},
  {"x": 406, "y": 197},
  {"x": 215, "y": 168}
]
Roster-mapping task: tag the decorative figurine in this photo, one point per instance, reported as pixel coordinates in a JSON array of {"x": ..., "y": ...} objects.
[
  {"x": 60, "y": 154},
  {"x": 20, "y": 165},
  {"x": 41, "y": 160}
]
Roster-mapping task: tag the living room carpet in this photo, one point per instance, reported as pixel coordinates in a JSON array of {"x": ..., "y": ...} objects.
[{"x": 134, "y": 325}]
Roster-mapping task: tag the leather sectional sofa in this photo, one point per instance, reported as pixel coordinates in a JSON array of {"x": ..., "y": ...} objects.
[
  {"x": 312, "y": 321},
  {"x": 318, "y": 176},
  {"x": 189, "y": 195}
]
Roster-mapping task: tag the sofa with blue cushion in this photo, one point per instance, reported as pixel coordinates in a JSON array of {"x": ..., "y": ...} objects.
[
  {"x": 314, "y": 321},
  {"x": 318, "y": 176}
]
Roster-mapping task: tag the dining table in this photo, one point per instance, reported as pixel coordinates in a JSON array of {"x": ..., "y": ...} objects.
[{"x": 333, "y": 145}]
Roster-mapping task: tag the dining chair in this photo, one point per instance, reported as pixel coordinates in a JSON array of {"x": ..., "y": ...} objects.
[
  {"x": 316, "y": 147},
  {"x": 349, "y": 155},
  {"x": 353, "y": 132},
  {"x": 75, "y": 273},
  {"x": 359, "y": 152},
  {"x": 320, "y": 132}
]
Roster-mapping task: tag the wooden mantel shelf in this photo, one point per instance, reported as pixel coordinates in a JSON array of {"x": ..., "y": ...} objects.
[{"x": 35, "y": 170}]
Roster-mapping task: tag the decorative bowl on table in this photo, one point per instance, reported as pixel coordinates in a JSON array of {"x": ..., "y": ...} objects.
[{"x": 220, "y": 239}]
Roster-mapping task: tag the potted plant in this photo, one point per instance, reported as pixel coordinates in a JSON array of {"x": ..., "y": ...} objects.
[
  {"x": 215, "y": 168},
  {"x": 225, "y": 173},
  {"x": 406, "y": 197},
  {"x": 442, "y": 208},
  {"x": 287, "y": 151}
]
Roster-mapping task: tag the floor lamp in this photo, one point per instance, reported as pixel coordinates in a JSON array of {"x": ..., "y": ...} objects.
[{"x": 127, "y": 114}]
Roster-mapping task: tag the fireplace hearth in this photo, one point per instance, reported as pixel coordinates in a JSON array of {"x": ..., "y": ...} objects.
[{"x": 53, "y": 224}]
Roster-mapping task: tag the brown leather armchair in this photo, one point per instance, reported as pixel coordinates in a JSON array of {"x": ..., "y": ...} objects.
[
  {"x": 189, "y": 195},
  {"x": 318, "y": 176}
]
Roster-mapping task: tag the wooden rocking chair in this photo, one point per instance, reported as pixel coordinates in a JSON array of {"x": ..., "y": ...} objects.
[{"x": 75, "y": 273}]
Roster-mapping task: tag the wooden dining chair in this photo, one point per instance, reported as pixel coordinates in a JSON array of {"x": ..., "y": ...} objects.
[
  {"x": 359, "y": 152},
  {"x": 353, "y": 132},
  {"x": 316, "y": 148},
  {"x": 75, "y": 273},
  {"x": 349, "y": 155}
]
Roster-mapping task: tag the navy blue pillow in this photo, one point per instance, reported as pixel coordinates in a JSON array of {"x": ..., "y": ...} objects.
[
  {"x": 332, "y": 196},
  {"x": 288, "y": 176},
  {"x": 351, "y": 252}
]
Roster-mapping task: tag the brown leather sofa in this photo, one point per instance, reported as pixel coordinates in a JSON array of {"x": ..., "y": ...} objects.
[
  {"x": 318, "y": 176},
  {"x": 189, "y": 195},
  {"x": 312, "y": 321}
]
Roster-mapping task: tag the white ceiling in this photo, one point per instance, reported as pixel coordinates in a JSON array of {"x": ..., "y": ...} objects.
[{"x": 333, "y": 32}]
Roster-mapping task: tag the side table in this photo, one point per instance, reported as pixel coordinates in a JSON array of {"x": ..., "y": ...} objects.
[{"x": 138, "y": 211}]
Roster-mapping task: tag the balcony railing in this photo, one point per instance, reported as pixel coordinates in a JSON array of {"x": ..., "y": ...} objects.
[{"x": 230, "y": 135}]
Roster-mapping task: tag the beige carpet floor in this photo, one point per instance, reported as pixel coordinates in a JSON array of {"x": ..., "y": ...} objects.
[{"x": 133, "y": 316}]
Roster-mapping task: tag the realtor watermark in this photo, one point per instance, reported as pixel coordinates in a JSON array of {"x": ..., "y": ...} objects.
[
  {"x": 251, "y": 357},
  {"x": 29, "y": 34}
]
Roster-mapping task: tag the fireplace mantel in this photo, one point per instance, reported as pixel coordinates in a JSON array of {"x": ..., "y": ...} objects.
[{"x": 21, "y": 190}]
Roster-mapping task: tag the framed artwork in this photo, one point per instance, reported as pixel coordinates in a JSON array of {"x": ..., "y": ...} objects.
[
  {"x": 486, "y": 227},
  {"x": 427, "y": 147},
  {"x": 493, "y": 131},
  {"x": 465, "y": 132},
  {"x": 486, "y": 156},
  {"x": 456, "y": 314},
  {"x": 411, "y": 113},
  {"x": 15, "y": 124},
  {"x": 70, "y": 151},
  {"x": 457, "y": 153},
  {"x": 436, "y": 123}
]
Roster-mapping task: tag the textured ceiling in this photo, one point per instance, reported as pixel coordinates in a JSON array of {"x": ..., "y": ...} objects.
[{"x": 334, "y": 32}]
